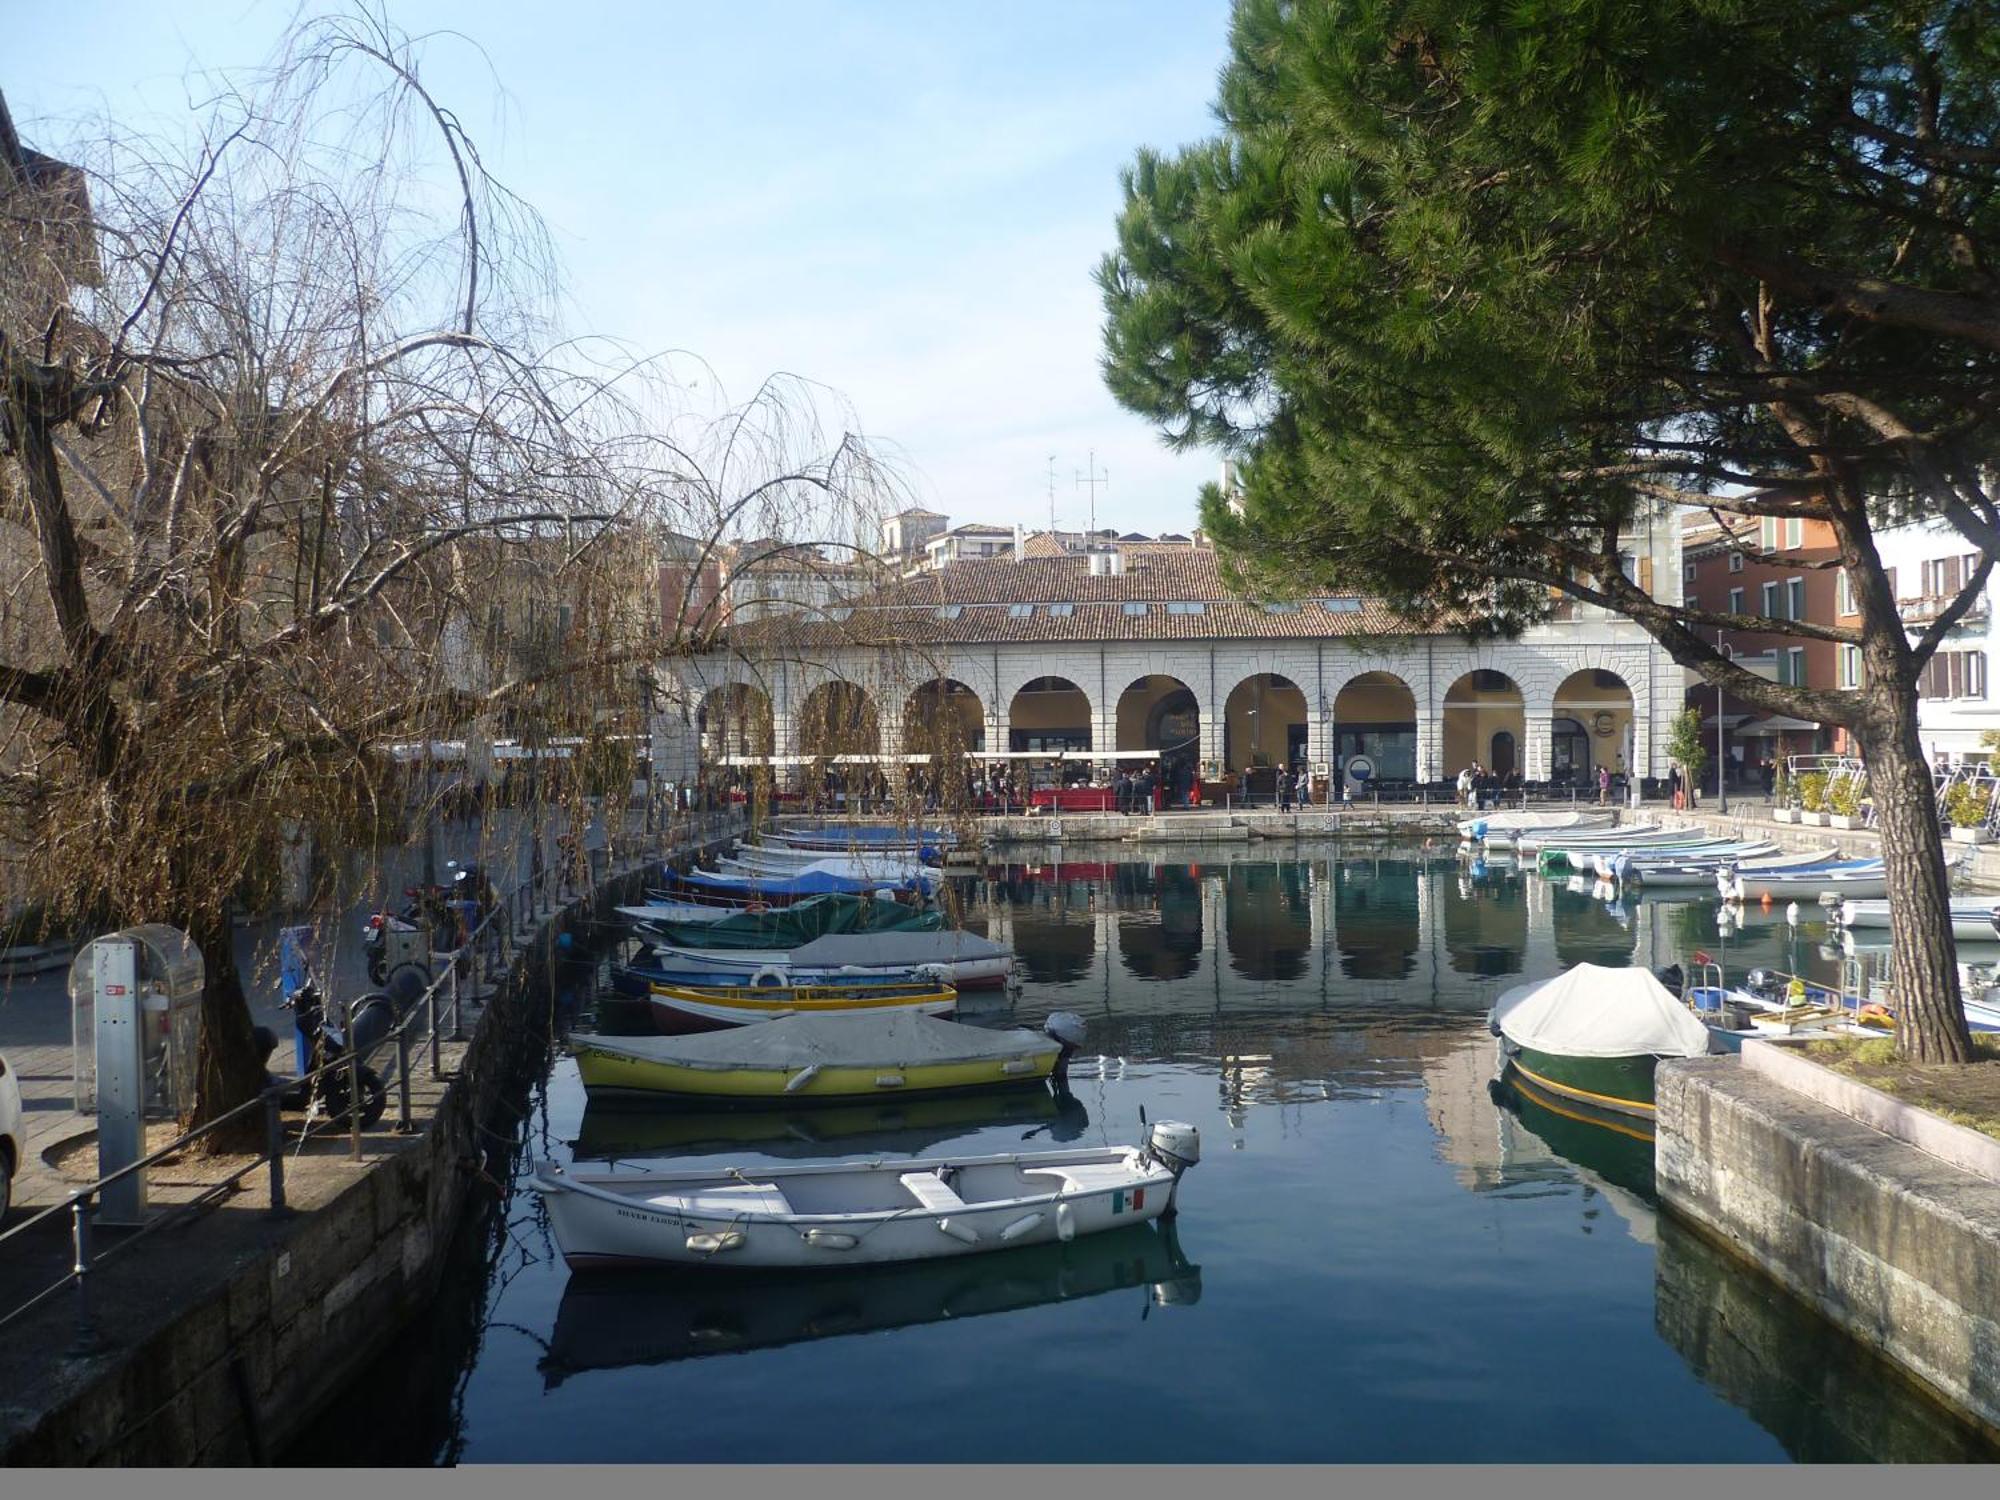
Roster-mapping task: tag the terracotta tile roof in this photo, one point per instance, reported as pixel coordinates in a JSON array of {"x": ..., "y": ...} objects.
[{"x": 1173, "y": 593}]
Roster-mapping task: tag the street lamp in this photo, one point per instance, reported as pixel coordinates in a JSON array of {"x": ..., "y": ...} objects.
[{"x": 1721, "y": 752}]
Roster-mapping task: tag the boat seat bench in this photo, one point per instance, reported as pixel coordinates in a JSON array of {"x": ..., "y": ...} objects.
[{"x": 933, "y": 1192}]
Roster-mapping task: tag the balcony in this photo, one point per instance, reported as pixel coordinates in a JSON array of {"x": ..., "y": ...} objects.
[{"x": 1927, "y": 607}]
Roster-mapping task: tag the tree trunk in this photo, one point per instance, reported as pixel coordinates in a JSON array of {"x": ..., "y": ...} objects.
[
  {"x": 1930, "y": 1022},
  {"x": 228, "y": 1071}
]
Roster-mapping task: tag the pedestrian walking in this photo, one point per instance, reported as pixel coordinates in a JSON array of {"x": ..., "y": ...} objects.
[
  {"x": 1284, "y": 789},
  {"x": 1604, "y": 786}
]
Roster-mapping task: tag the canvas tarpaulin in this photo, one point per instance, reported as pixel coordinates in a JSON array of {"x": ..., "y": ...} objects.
[{"x": 1598, "y": 1012}]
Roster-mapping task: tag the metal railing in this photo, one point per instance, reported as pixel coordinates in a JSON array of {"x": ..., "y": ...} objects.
[{"x": 441, "y": 1000}]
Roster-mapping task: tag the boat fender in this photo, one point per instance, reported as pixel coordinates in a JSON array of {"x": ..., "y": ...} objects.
[
  {"x": 767, "y": 978},
  {"x": 715, "y": 1244},
  {"x": 1065, "y": 1223},
  {"x": 888, "y": 1080},
  {"x": 958, "y": 1231},
  {"x": 801, "y": 1078},
  {"x": 830, "y": 1239},
  {"x": 1020, "y": 1227}
]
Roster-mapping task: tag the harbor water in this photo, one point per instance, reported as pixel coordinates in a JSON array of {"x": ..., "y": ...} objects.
[{"x": 1385, "y": 1254}]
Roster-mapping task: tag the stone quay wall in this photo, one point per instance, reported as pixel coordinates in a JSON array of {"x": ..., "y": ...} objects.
[
  {"x": 222, "y": 1338},
  {"x": 1894, "y": 1245}
]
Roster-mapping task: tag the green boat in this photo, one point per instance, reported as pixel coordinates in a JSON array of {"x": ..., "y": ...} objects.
[
  {"x": 1595, "y": 1035},
  {"x": 796, "y": 925}
]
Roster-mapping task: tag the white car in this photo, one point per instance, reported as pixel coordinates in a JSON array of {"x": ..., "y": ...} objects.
[{"x": 13, "y": 1136}]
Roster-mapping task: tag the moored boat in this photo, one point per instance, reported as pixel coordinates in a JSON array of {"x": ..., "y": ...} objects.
[
  {"x": 678, "y": 1009},
  {"x": 786, "y": 927},
  {"x": 859, "y": 1213},
  {"x": 1696, "y": 873},
  {"x": 1596, "y": 1034},
  {"x": 1845, "y": 878},
  {"x": 1972, "y": 917},
  {"x": 805, "y": 1059},
  {"x": 965, "y": 959}
]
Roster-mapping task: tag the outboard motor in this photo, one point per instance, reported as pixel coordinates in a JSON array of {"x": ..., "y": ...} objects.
[
  {"x": 1175, "y": 1146},
  {"x": 1065, "y": 1028}
]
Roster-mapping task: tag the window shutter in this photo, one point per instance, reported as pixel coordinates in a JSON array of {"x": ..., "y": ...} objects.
[
  {"x": 1975, "y": 674},
  {"x": 1645, "y": 575},
  {"x": 1890, "y": 573}
]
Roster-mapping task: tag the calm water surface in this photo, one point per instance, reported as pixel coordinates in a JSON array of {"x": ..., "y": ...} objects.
[{"x": 1381, "y": 1258}]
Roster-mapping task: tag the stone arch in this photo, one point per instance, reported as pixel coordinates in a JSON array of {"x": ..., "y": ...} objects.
[
  {"x": 838, "y": 718},
  {"x": 1264, "y": 723},
  {"x": 1049, "y": 713},
  {"x": 1591, "y": 719},
  {"x": 734, "y": 719},
  {"x": 1485, "y": 717},
  {"x": 944, "y": 717},
  {"x": 1375, "y": 718},
  {"x": 1158, "y": 712}
]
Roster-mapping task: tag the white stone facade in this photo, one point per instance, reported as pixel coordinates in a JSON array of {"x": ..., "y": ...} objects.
[{"x": 1537, "y": 665}]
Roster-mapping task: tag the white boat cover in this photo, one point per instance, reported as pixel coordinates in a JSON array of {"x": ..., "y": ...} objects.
[
  {"x": 1597, "y": 1012},
  {"x": 894, "y": 950},
  {"x": 872, "y": 1040}
]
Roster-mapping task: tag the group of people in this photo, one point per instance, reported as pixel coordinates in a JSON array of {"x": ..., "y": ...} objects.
[{"x": 1135, "y": 791}]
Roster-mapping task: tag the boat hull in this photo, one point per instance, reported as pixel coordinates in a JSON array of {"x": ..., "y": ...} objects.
[
  {"x": 678, "y": 1012},
  {"x": 1621, "y": 1084},
  {"x": 964, "y": 974},
  {"x": 599, "y": 1230},
  {"x": 613, "y": 1075}
]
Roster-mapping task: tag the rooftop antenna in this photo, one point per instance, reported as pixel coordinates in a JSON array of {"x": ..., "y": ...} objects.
[
  {"x": 1093, "y": 478},
  {"x": 1052, "y": 497}
]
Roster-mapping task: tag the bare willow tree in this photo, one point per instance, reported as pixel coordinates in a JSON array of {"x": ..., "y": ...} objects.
[{"x": 294, "y": 468}]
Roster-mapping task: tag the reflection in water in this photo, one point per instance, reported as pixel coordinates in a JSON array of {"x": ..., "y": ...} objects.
[
  {"x": 1375, "y": 910},
  {"x": 1269, "y": 920},
  {"x": 1615, "y": 1148},
  {"x": 606, "y": 1322},
  {"x": 1159, "y": 920},
  {"x": 1370, "y": 1208},
  {"x": 1586, "y": 931},
  {"x": 1821, "y": 1394},
  {"x": 1054, "y": 949},
  {"x": 1486, "y": 932}
]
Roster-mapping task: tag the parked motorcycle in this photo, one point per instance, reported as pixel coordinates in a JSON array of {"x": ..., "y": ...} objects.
[
  {"x": 425, "y": 907},
  {"x": 325, "y": 1041}
]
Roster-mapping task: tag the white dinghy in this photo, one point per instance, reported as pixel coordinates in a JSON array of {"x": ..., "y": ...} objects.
[{"x": 859, "y": 1213}]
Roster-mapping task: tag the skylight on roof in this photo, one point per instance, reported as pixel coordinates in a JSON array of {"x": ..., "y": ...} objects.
[
  {"x": 1342, "y": 604},
  {"x": 1061, "y": 611},
  {"x": 950, "y": 611},
  {"x": 1280, "y": 607},
  {"x": 1187, "y": 607},
  {"x": 1135, "y": 607},
  {"x": 1020, "y": 611}
]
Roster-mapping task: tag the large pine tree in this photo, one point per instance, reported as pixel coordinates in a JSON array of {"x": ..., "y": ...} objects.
[{"x": 1464, "y": 283}]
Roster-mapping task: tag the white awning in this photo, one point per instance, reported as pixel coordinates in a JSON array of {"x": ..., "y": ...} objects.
[{"x": 1774, "y": 726}]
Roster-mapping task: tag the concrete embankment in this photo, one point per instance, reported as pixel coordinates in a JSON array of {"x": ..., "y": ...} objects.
[
  {"x": 1978, "y": 865},
  {"x": 1203, "y": 826},
  {"x": 1893, "y": 1244},
  {"x": 219, "y": 1337}
]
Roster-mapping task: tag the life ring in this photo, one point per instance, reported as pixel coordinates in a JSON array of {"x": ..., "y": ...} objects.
[{"x": 768, "y": 977}]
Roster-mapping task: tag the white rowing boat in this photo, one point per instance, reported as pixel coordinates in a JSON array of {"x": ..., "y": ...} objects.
[
  {"x": 859, "y": 1213},
  {"x": 1971, "y": 917}
]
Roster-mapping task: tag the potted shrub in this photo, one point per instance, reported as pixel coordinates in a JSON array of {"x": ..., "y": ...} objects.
[
  {"x": 1812, "y": 799},
  {"x": 1968, "y": 807},
  {"x": 1783, "y": 796},
  {"x": 1843, "y": 801}
]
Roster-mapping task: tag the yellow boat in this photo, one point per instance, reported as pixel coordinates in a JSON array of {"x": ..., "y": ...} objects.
[
  {"x": 678, "y": 1009},
  {"x": 803, "y": 1059}
]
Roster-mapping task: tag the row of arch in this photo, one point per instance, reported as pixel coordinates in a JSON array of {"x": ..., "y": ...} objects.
[{"x": 1265, "y": 722}]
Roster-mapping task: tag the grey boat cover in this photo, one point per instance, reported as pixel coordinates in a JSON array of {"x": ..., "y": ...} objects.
[
  {"x": 899, "y": 950},
  {"x": 893, "y": 1040}
]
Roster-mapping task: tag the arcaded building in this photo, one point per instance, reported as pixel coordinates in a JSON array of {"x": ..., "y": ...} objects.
[{"x": 1141, "y": 646}]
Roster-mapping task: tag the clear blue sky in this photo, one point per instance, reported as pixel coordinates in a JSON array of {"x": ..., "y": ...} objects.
[{"x": 901, "y": 201}]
